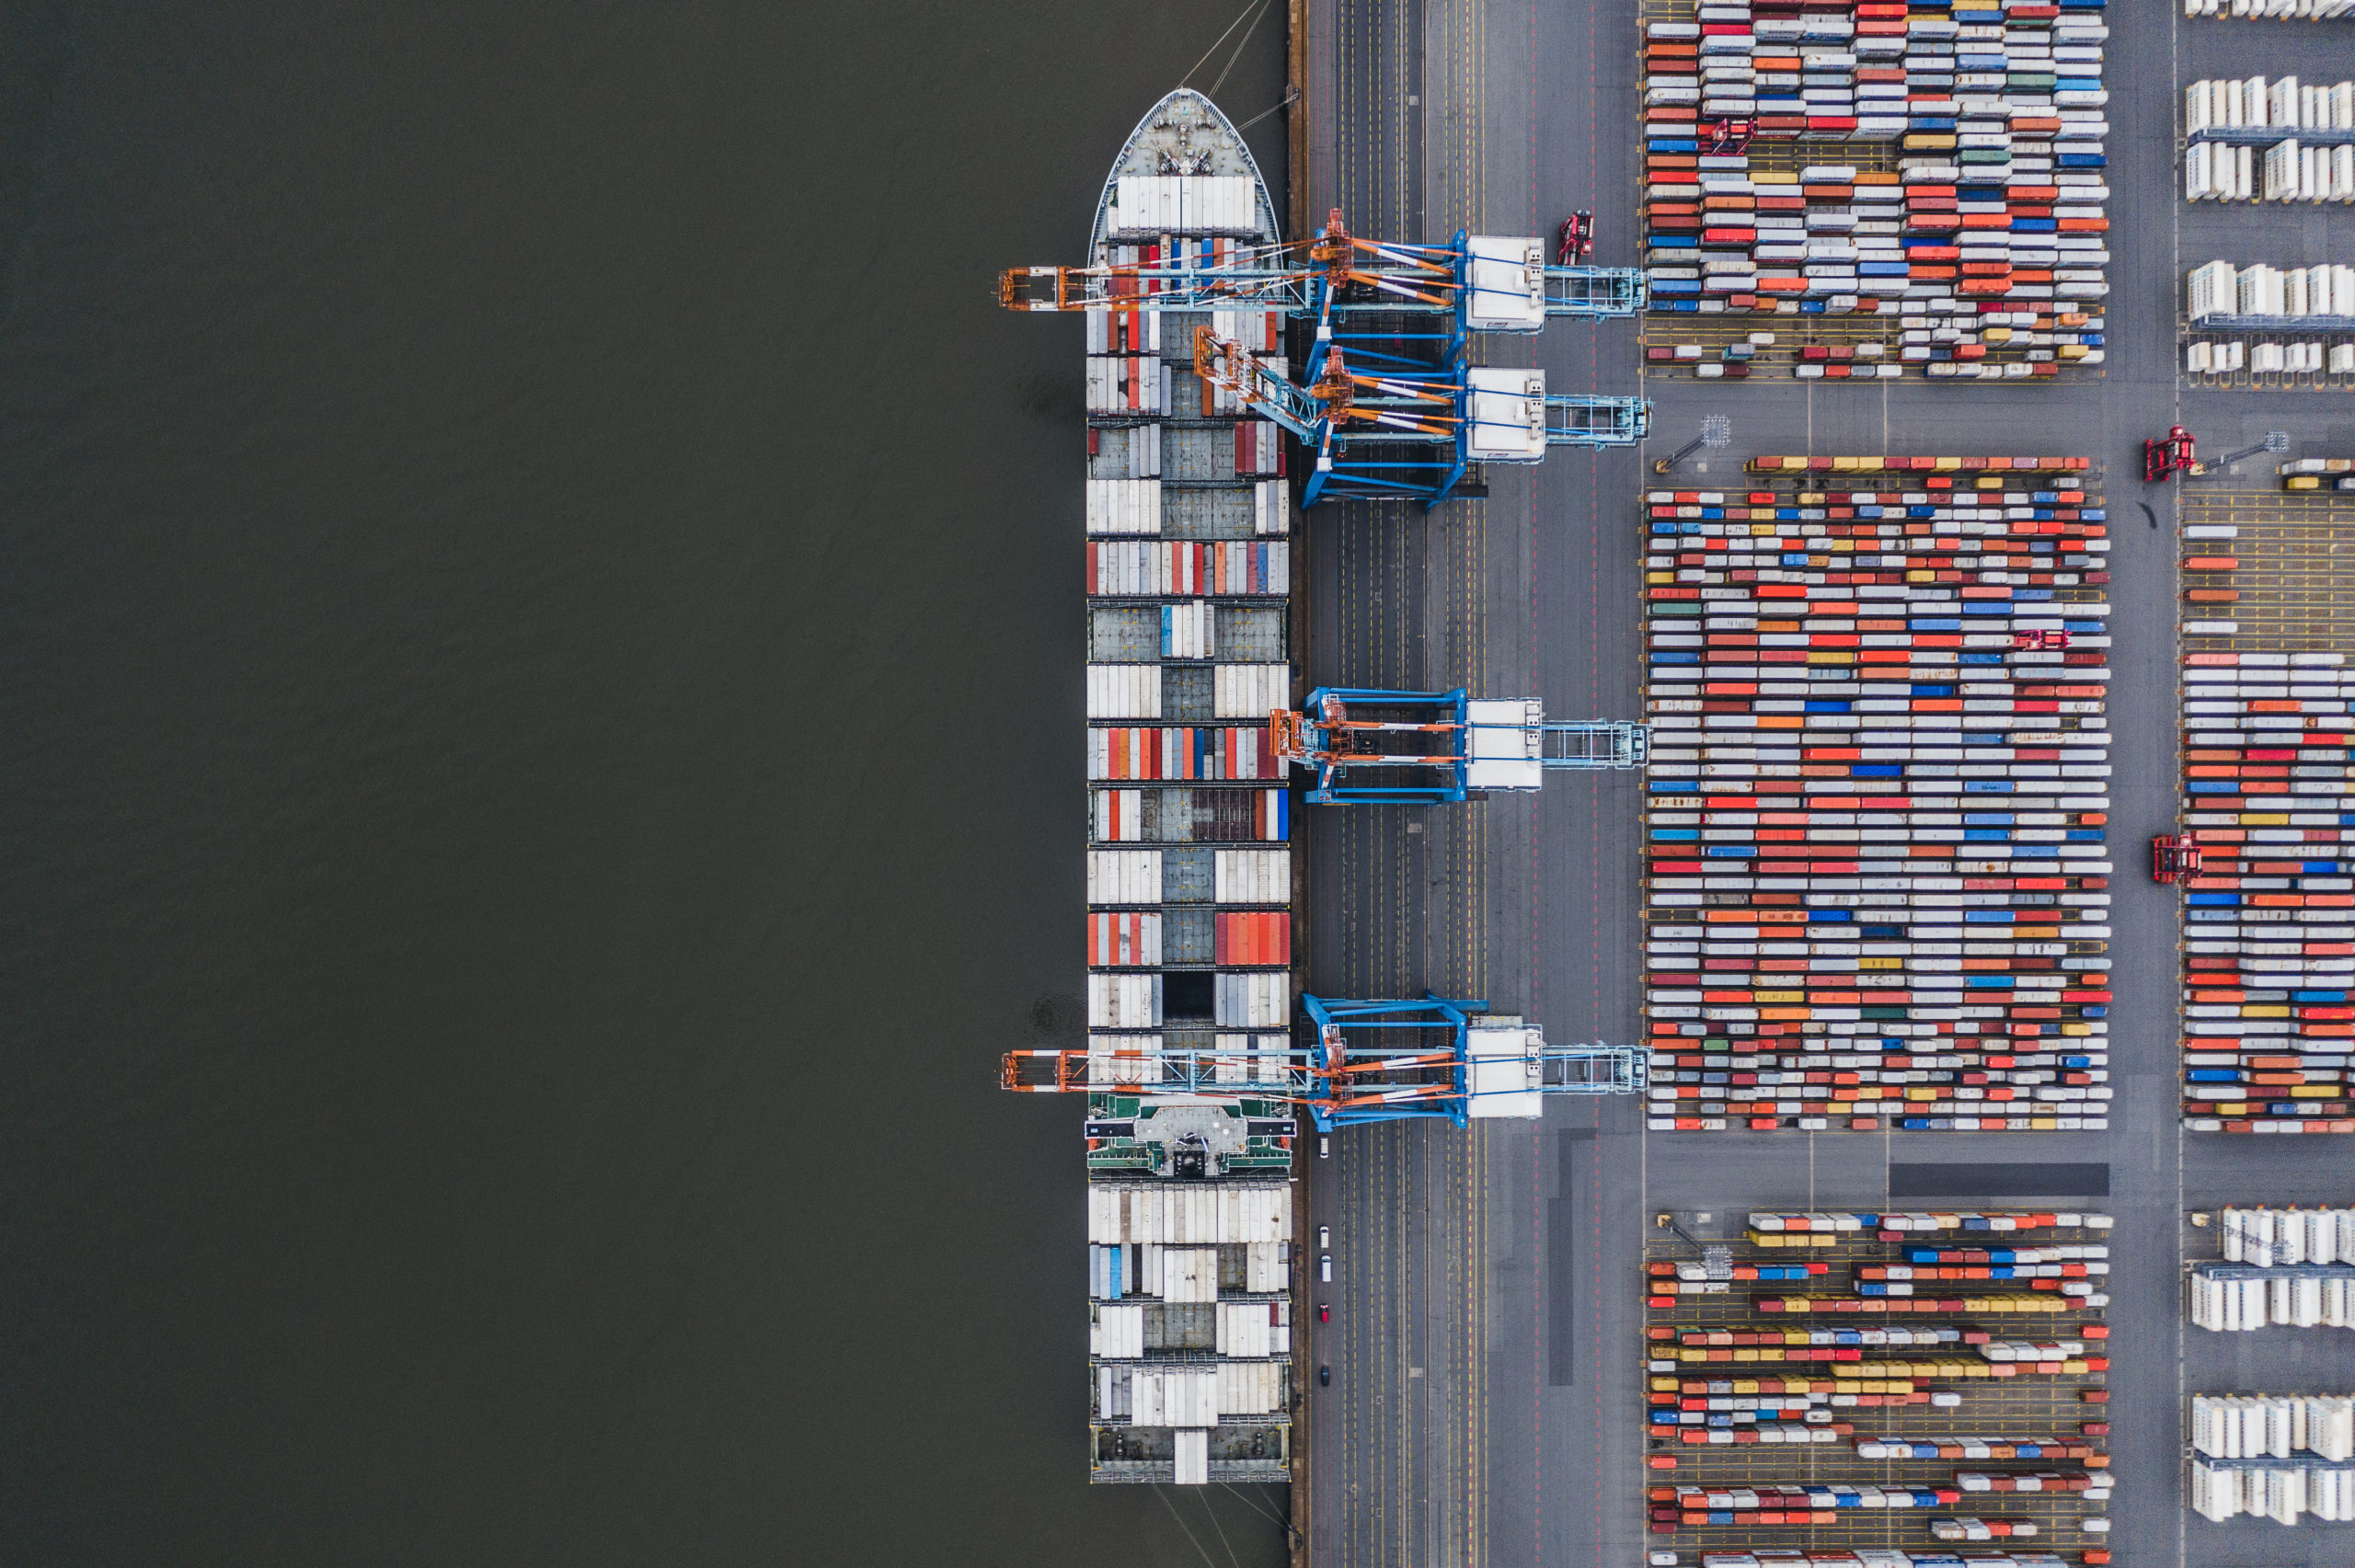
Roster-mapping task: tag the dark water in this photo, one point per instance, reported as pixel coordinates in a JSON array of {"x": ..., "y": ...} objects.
[{"x": 539, "y": 689}]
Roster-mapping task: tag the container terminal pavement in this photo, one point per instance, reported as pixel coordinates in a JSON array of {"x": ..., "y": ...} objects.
[{"x": 1877, "y": 1217}]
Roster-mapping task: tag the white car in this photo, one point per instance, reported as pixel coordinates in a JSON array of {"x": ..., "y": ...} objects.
[{"x": 1324, "y": 1267}]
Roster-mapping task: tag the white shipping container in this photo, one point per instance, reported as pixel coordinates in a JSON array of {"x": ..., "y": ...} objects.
[
  {"x": 1252, "y": 1001},
  {"x": 1123, "y": 1002},
  {"x": 1123, "y": 876},
  {"x": 1271, "y": 507},
  {"x": 2199, "y": 172},
  {"x": 1119, "y": 1331},
  {"x": 1246, "y": 690},
  {"x": 1124, "y": 691},
  {"x": 1253, "y": 876},
  {"x": 1124, "y": 506},
  {"x": 1148, "y": 206},
  {"x": 2213, "y": 290}
]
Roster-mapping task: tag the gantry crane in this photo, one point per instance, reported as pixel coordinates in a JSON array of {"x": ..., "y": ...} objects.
[
  {"x": 1367, "y": 1062},
  {"x": 1388, "y": 406},
  {"x": 1401, "y": 428},
  {"x": 1371, "y": 747},
  {"x": 1486, "y": 282}
]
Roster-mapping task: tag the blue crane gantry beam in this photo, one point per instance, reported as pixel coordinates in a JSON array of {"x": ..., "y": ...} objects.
[
  {"x": 1370, "y": 1061},
  {"x": 1434, "y": 748}
]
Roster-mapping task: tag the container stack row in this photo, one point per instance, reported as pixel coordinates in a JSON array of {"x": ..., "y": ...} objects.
[
  {"x": 2281, "y": 1269},
  {"x": 2283, "y": 1238},
  {"x": 1930, "y": 174},
  {"x": 2220, "y": 294},
  {"x": 1190, "y": 1319},
  {"x": 2285, "y": 171},
  {"x": 1877, "y": 860},
  {"x": 1870, "y": 1557},
  {"x": 2276, "y": 1457},
  {"x": 2241, "y": 1300},
  {"x": 2218, "y": 107},
  {"x": 2270, "y": 913},
  {"x": 2273, "y": 10},
  {"x": 2332, "y": 364},
  {"x": 2255, "y": 141},
  {"x": 2318, "y": 474},
  {"x": 2271, "y": 141},
  {"x": 1976, "y": 1417},
  {"x": 1187, "y": 568}
]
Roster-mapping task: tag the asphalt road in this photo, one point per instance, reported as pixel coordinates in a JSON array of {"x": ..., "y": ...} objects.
[{"x": 1484, "y": 1406}]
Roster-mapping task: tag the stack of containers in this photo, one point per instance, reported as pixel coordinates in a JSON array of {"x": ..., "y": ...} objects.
[
  {"x": 1876, "y": 1556},
  {"x": 1168, "y": 890},
  {"x": 1877, "y": 867},
  {"x": 2238, "y": 1300},
  {"x": 2289, "y": 1267},
  {"x": 2319, "y": 472},
  {"x": 2269, "y": 918},
  {"x": 2231, "y": 155},
  {"x": 2218, "y": 291},
  {"x": 2284, "y": 1238},
  {"x": 2321, "y": 298},
  {"x": 1959, "y": 199},
  {"x": 2273, "y": 10},
  {"x": 2311, "y": 356},
  {"x": 2234, "y": 1437},
  {"x": 1127, "y": 377},
  {"x": 1868, "y": 1416}
]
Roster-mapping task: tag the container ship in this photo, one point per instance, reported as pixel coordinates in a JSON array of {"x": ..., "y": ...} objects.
[{"x": 1189, "y": 869}]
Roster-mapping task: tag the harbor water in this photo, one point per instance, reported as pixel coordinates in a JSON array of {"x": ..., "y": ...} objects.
[{"x": 542, "y": 641}]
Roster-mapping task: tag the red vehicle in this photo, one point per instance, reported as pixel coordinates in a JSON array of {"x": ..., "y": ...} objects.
[
  {"x": 1577, "y": 238},
  {"x": 1323, "y": 1311},
  {"x": 2174, "y": 856},
  {"x": 2167, "y": 456},
  {"x": 1729, "y": 138}
]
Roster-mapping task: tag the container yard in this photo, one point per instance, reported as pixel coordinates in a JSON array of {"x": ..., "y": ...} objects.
[
  {"x": 2269, "y": 914},
  {"x": 1876, "y": 190},
  {"x": 2268, "y": 298},
  {"x": 1944, "y": 1387},
  {"x": 1876, "y": 881},
  {"x": 1878, "y": 867},
  {"x": 2269, "y": 909}
]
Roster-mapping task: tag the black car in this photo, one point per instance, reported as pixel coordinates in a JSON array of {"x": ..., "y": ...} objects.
[{"x": 1325, "y": 1374}]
